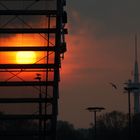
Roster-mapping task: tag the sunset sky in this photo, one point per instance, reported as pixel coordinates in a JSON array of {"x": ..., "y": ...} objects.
[{"x": 100, "y": 50}]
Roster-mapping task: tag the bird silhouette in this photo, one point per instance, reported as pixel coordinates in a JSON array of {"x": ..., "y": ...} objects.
[{"x": 113, "y": 85}]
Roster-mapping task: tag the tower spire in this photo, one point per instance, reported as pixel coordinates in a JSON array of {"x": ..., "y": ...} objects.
[
  {"x": 136, "y": 54},
  {"x": 136, "y": 79},
  {"x": 135, "y": 82},
  {"x": 136, "y": 69}
]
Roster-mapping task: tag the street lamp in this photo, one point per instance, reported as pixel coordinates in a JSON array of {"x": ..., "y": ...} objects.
[
  {"x": 38, "y": 77},
  {"x": 129, "y": 88},
  {"x": 95, "y": 110}
]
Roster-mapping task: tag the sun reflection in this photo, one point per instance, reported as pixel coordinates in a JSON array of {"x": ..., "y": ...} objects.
[{"x": 25, "y": 57}]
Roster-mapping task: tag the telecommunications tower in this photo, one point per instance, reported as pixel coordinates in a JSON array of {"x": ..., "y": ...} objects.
[
  {"x": 134, "y": 85},
  {"x": 136, "y": 80}
]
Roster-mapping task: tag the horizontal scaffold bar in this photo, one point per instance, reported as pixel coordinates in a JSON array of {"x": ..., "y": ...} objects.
[
  {"x": 23, "y": 133},
  {"x": 28, "y": 12},
  {"x": 31, "y": 117},
  {"x": 27, "y": 66},
  {"x": 28, "y": 48},
  {"x": 29, "y": 30},
  {"x": 28, "y": 0},
  {"x": 25, "y": 100},
  {"x": 27, "y": 83},
  {"x": 27, "y": 70}
]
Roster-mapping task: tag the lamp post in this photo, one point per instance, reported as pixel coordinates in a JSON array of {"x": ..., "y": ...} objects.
[
  {"x": 129, "y": 88},
  {"x": 95, "y": 110},
  {"x": 38, "y": 77}
]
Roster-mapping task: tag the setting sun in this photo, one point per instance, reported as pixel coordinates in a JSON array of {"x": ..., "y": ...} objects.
[{"x": 25, "y": 57}]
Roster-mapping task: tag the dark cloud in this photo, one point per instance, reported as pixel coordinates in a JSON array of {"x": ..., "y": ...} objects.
[{"x": 109, "y": 16}]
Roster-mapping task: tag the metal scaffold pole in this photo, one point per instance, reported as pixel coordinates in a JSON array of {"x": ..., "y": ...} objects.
[{"x": 43, "y": 21}]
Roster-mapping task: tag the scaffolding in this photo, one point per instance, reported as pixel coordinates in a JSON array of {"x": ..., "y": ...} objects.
[{"x": 36, "y": 26}]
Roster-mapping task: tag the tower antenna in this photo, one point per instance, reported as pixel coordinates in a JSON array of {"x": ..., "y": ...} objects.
[
  {"x": 136, "y": 79},
  {"x": 136, "y": 55},
  {"x": 135, "y": 82}
]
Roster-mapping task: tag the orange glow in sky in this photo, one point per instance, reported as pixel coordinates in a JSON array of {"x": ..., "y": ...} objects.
[{"x": 24, "y": 57}]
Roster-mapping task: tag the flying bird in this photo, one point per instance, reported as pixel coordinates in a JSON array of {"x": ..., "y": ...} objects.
[{"x": 113, "y": 85}]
